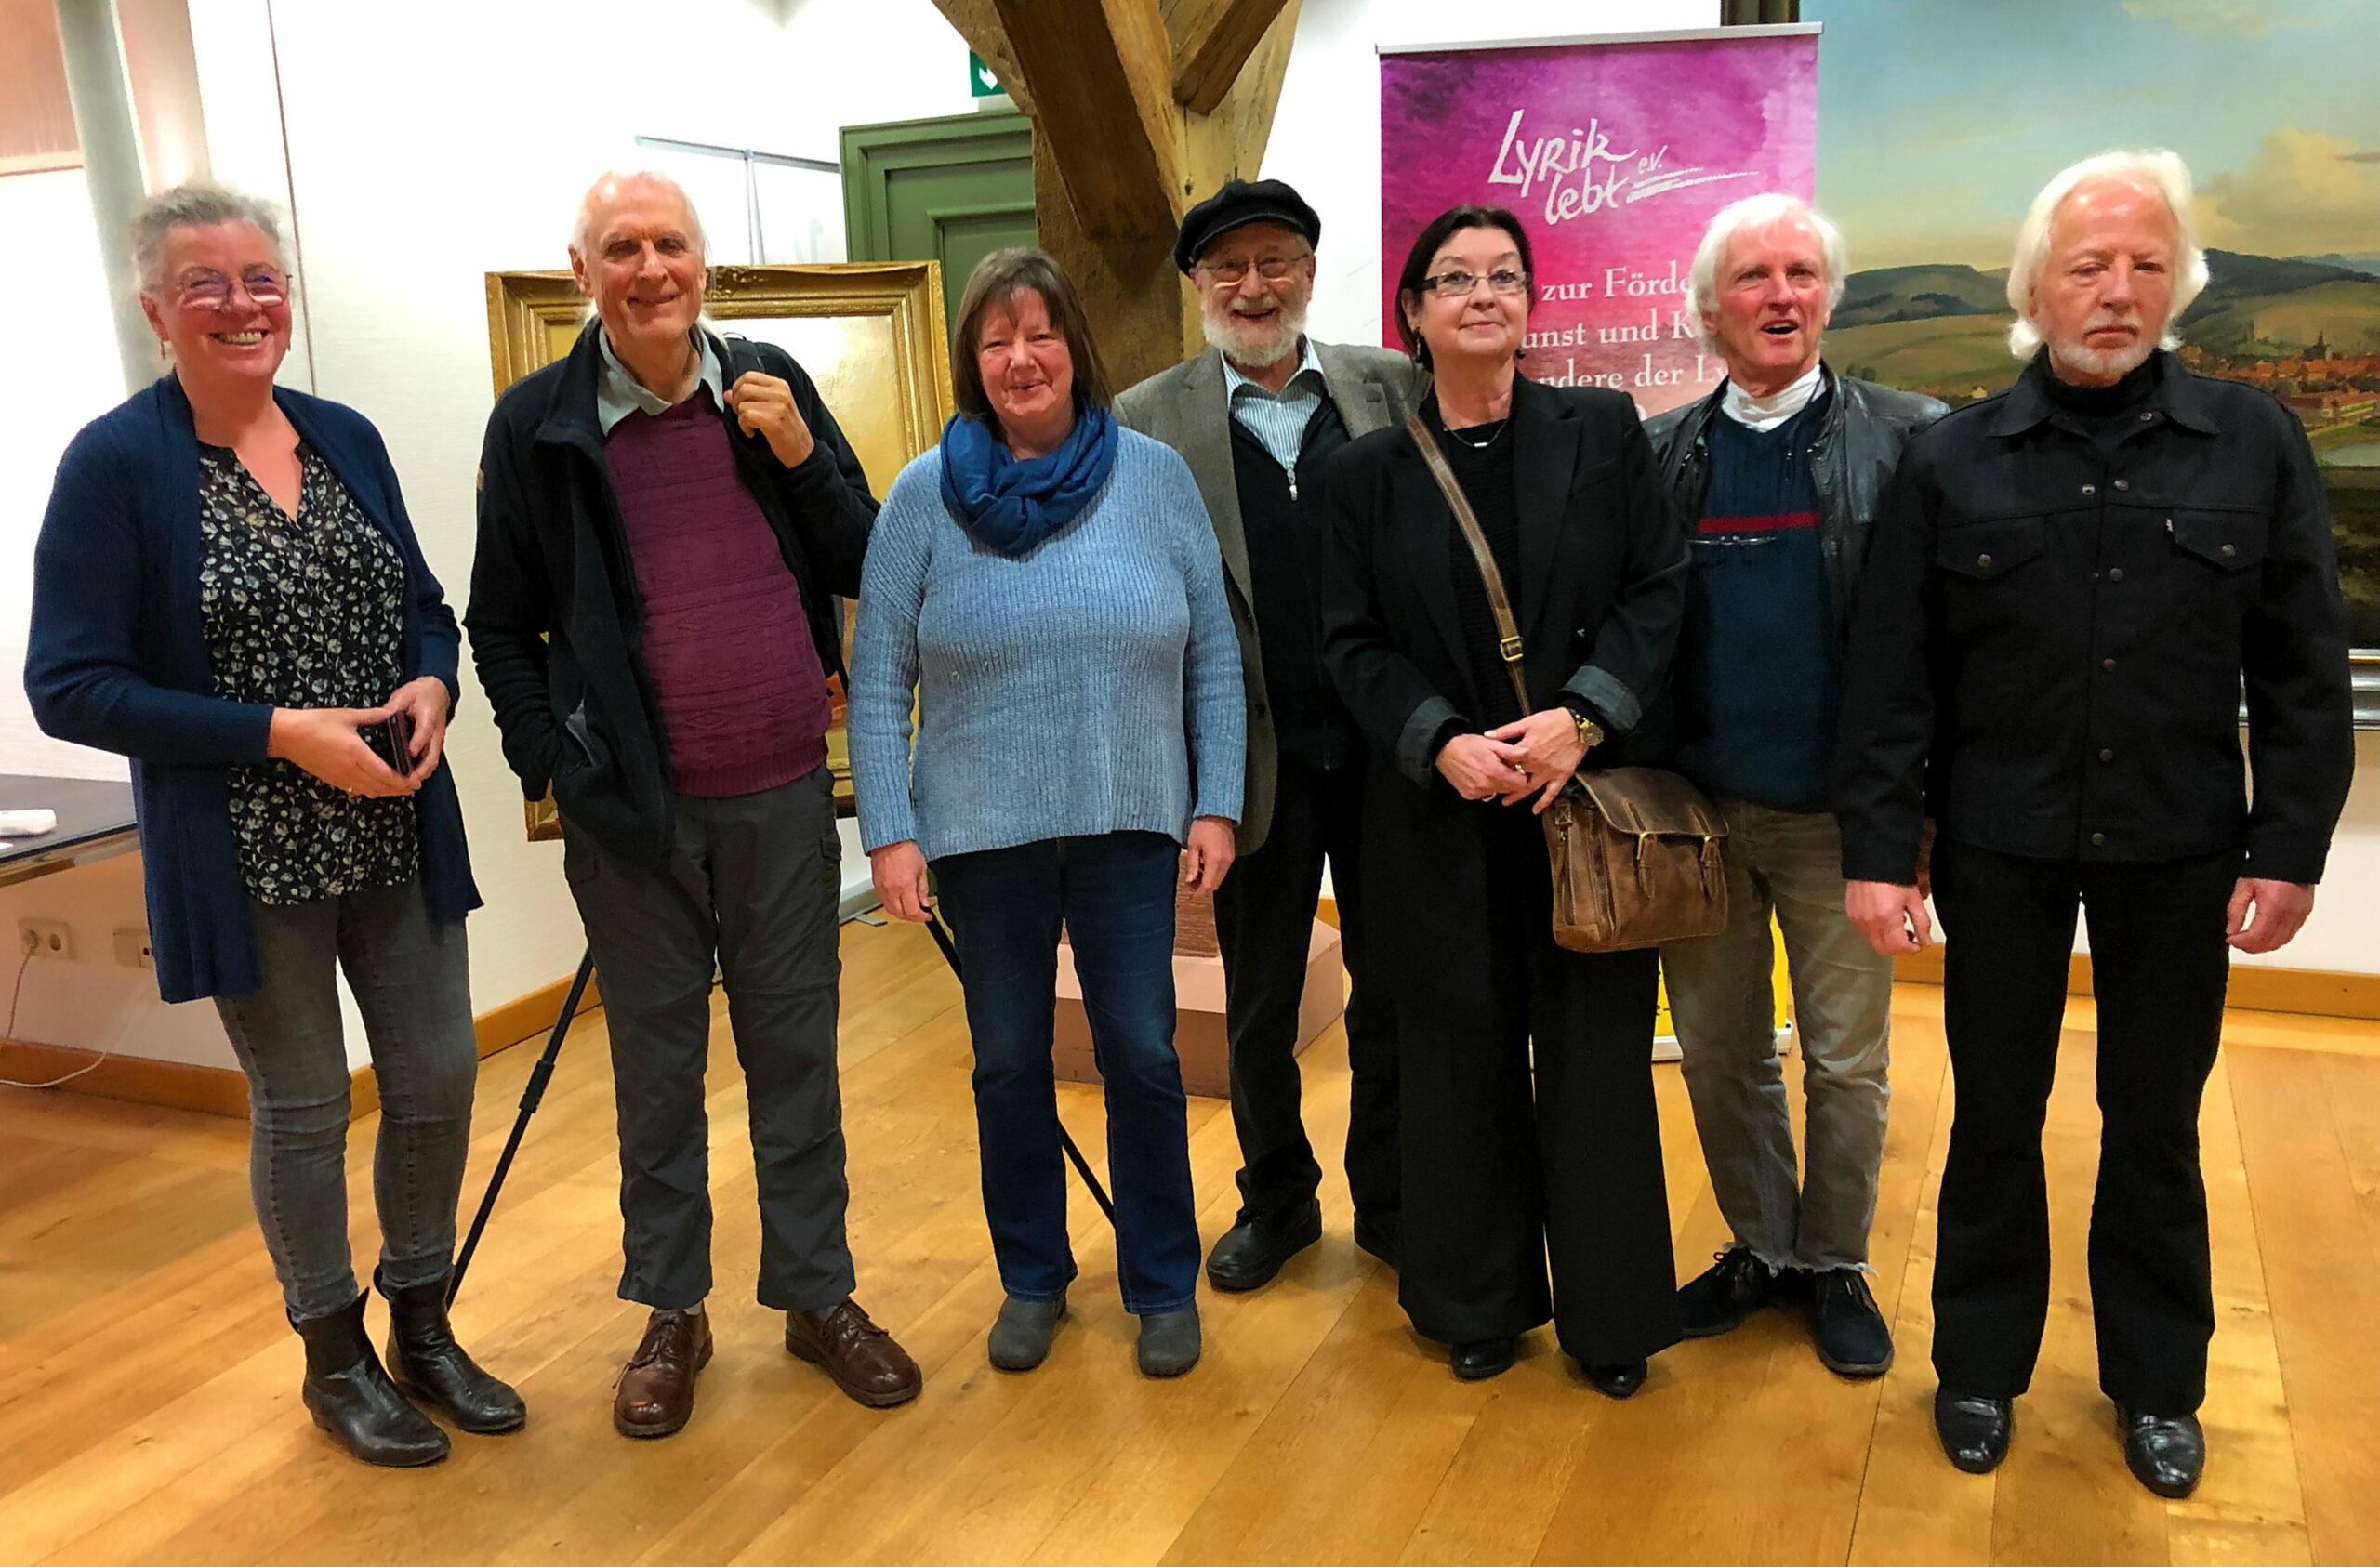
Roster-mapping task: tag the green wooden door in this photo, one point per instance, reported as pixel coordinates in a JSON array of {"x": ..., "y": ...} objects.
[{"x": 952, "y": 190}]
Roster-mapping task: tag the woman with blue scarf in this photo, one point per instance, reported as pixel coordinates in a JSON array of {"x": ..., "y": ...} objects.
[{"x": 1046, "y": 588}]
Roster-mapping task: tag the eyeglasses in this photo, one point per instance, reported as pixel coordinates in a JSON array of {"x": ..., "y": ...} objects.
[
  {"x": 212, "y": 291},
  {"x": 1462, "y": 286},
  {"x": 1272, "y": 268}
]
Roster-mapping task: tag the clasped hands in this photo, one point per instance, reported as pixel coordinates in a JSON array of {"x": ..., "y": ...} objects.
[
  {"x": 1532, "y": 756},
  {"x": 328, "y": 742}
]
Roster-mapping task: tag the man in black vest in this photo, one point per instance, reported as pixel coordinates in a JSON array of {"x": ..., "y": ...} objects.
[
  {"x": 1256, "y": 416},
  {"x": 2072, "y": 583}
]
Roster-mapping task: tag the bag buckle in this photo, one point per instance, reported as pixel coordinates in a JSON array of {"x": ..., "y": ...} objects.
[{"x": 1510, "y": 648}]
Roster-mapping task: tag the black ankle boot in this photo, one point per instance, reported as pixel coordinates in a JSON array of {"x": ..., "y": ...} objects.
[
  {"x": 427, "y": 1363},
  {"x": 352, "y": 1399}
]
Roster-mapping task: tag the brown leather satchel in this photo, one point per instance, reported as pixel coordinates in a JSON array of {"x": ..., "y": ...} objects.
[{"x": 1637, "y": 851}]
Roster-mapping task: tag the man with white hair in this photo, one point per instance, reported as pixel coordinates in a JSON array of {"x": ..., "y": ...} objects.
[
  {"x": 665, "y": 519},
  {"x": 2071, "y": 582},
  {"x": 1256, "y": 416},
  {"x": 1778, "y": 474}
]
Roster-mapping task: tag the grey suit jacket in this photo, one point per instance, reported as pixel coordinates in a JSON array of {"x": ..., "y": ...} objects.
[{"x": 1188, "y": 407}]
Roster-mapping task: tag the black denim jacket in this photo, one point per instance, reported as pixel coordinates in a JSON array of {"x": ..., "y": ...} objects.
[{"x": 2049, "y": 644}]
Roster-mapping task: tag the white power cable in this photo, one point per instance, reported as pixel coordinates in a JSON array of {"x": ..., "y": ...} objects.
[{"x": 16, "y": 994}]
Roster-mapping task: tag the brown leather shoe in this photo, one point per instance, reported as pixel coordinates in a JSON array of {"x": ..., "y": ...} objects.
[
  {"x": 859, "y": 1355},
  {"x": 657, "y": 1389}
]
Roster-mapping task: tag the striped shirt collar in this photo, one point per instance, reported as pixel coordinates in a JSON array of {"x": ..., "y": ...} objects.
[{"x": 1298, "y": 384}]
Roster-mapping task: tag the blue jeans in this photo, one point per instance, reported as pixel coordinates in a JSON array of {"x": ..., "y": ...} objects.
[{"x": 1113, "y": 894}]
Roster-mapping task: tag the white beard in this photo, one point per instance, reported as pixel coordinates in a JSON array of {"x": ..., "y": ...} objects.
[
  {"x": 1259, "y": 350},
  {"x": 2103, "y": 364}
]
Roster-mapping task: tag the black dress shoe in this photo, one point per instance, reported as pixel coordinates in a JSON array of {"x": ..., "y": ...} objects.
[
  {"x": 1379, "y": 1234},
  {"x": 1974, "y": 1432},
  {"x": 1852, "y": 1337},
  {"x": 1254, "y": 1250},
  {"x": 2166, "y": 1452},
  {"x": 1724, "y": 1294},
  {"x": 1482, "y": 1358},
  {"x": 1616, "y": 1381}
]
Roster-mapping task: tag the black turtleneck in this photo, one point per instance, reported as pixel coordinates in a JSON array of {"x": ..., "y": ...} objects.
[{"x": 2105, "y": 414}]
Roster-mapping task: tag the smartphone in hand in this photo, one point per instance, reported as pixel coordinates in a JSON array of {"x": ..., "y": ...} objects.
[{"x": 391, "y": 740}]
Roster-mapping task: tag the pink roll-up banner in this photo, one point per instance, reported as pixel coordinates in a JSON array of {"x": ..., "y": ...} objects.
[{"x": 1614, "y": 153}]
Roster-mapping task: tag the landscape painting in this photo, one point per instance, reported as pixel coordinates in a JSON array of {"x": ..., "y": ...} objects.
[{"x": 1939, "y": 119}]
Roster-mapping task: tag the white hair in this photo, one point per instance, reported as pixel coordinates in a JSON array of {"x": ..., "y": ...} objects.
[
  {"x": 582, "y": 237},
  {"x": 2153, "y": 171},
  {"x": 1768, "y": 208},
  {"x": 194, "y": 206}
]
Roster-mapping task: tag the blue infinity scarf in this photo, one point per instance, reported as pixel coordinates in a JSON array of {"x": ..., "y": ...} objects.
[{"x": 1013, "y": 505}]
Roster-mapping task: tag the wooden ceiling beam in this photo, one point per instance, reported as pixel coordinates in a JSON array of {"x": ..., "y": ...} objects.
[
  {"x": 1100, "y": 72},
  {"x": 1213, "y": 39}
]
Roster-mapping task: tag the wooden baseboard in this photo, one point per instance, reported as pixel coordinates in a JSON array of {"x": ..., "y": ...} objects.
[
  {"x": 2319, "y": 993},
  {"x": 221, "y": 1090},
  {"x": 212, "y": 1091}
]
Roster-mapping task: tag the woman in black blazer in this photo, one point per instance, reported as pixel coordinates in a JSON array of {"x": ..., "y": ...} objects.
[{"x": 1506, "y": 1166}]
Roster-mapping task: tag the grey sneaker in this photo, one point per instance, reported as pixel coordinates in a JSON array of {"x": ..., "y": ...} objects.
[
  {"x": 1169, "y": 1342},
  {"x": 1020, "y": 1339}
]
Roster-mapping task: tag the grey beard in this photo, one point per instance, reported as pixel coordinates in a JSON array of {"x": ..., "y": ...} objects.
[{"x": 1223, "y": 332}]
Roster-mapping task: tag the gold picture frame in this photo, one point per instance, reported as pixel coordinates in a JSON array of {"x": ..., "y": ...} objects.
[{"x": 871, "y": 335}]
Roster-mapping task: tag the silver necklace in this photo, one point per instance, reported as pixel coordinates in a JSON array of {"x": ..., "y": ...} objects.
[{"x": 1483, "y": 445}]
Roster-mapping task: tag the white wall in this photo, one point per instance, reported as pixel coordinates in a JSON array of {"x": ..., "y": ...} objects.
[{"x": 70, "y": 334}]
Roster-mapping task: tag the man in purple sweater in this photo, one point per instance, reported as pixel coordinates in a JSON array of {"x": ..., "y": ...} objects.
[{"x": 665, "y": 519}]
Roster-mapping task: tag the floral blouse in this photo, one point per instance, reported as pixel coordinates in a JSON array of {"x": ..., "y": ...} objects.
[{"x": 303, "y": 612}]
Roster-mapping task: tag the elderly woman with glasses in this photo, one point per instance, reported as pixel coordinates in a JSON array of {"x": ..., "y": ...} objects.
[
  {"x": 1529, "y": 1132},
  {"x": 1045, "y": 588},
  {"x": 227, "y": 590}
]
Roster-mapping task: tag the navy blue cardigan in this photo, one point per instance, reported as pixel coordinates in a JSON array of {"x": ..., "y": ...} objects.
[{"x": 118, "y": 659}]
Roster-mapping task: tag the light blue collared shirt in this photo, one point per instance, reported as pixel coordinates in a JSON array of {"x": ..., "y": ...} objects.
[
  {"x": 618, "y": 394},
  {"x": 1277, "y": 420}
]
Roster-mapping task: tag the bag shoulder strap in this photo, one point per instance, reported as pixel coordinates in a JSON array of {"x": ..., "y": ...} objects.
[{"x": 1509, "y": 645}]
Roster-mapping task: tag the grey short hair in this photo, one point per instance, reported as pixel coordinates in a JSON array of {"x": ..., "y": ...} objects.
[
  {"x": 1760, "y": 212},
  {"x": 197, "y": 204},
  {"x": 2153, "y": 171},
  {"x": 582, "y": 242}
]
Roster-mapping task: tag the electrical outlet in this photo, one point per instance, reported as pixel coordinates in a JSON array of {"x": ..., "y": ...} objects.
[
  {"x": 132, "y": 949},
  {"x": 45, "y": 938}
]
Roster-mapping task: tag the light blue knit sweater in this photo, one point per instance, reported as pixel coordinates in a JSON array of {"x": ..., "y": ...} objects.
[{"x": 1091, "y": 686}]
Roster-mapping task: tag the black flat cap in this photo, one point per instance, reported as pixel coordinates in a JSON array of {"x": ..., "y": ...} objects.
[{"x": 1240, "y": 201}]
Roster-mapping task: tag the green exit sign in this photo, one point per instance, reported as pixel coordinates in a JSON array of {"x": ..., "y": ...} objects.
[{"x": 980, "y": 83}]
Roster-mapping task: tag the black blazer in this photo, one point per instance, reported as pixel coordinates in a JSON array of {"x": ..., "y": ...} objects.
[{"x": 1602, "y": 577}]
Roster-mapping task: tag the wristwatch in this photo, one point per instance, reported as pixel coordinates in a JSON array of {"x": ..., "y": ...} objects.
[{"x": 1589, "y": 731}]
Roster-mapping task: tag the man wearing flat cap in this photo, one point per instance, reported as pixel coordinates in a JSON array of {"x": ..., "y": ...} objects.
[{"x": 1256, "y": 416}]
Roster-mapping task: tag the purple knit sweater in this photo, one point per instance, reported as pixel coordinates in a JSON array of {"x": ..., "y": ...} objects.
[{"x": 743, "y": 696}]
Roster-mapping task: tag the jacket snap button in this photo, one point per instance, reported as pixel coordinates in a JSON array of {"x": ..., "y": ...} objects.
[
  {"x": 2115, "y": 574},
  {"x": 1983, "y": 560},
  {"x": 2090, "y": 489},
  {"x": 2124, "y": 483},
  {"x": 2228, "y": 551},
  {"x": 2106, "y": 756},
  {"x": 2098, "y": 841}
]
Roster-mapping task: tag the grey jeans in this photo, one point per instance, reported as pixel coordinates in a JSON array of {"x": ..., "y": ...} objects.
[
  {"x": 412, "y": 982},
  {"x": 1788, "y": 863},
  {"x": 750, "y": 890}
]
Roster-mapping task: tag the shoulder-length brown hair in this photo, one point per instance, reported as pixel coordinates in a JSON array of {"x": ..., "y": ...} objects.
[{"x": 998, "y": 279}]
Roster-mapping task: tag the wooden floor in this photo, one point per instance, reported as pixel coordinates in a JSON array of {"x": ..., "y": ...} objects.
[{"x": 149, "y": 1409}]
